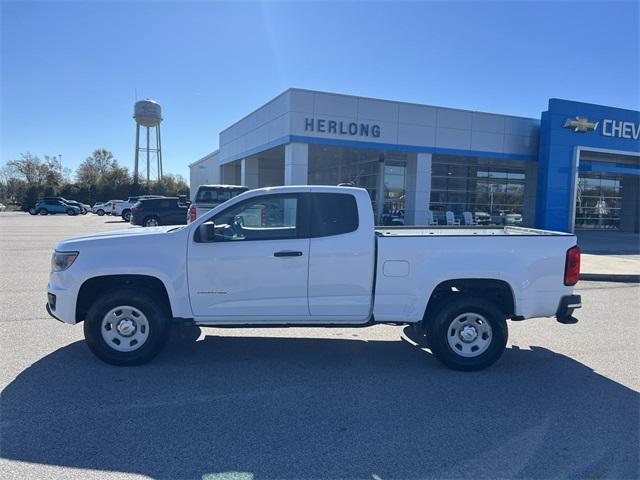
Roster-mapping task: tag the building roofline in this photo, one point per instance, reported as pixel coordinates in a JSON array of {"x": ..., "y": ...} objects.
[
  {"x": 306, "y": 90},
  {"x": 579, "y": 102},
  {"x": 206, "y": 157},
  {"x": 409, "y": 103},
  {"x": 256, "y": 109}
]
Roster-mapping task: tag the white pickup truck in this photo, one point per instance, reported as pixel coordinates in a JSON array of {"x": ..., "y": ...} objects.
[
  {"x": 210, "y": 196},
  {"x": 311, "y": 256}
]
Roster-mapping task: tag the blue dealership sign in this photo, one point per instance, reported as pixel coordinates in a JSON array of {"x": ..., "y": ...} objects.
[{"x": 566, "y": 128}]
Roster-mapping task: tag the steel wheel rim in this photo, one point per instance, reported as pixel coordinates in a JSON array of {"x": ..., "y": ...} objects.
[
  {"x": 152, "y": 222},
  {"x": 125, "y": 328},
  {"x": 469, "y": 335}
]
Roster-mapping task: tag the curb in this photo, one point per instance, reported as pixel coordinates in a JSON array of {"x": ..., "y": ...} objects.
[{"x": 611, "y": 277}]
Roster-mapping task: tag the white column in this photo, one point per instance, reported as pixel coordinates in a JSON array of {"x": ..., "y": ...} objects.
[
  {"x": 249, "y": 172},
  {"x": 418, "y": 189},
  {"x": 296, "y": 164}
]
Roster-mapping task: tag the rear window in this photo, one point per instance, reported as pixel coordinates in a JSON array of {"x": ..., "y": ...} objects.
[
  {"x": 333, "y": 214},
  {"x": 214, "y": 195}
]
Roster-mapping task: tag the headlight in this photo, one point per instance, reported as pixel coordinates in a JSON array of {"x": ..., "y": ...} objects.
[{"x": 62, "y": 260}]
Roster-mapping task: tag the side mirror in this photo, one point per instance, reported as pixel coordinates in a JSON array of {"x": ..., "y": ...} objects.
[{"x": 205, "y": 233}]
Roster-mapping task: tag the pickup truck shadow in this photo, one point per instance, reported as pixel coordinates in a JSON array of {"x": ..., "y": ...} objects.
[{"x": 256, "y": 407}]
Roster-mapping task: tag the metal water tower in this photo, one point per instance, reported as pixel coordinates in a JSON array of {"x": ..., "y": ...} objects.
[{"x": 148, "y": 114}]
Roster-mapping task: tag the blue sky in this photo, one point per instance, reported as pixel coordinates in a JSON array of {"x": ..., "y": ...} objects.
[{"x": 70, "y": 69}]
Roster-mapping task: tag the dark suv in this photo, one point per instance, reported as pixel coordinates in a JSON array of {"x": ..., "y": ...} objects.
[{"x": 151, "y": 212}]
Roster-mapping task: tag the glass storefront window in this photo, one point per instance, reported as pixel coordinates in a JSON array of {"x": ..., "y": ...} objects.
[
  {"x": 394, "y": 193},
  {"x": 598, "y": 201},
  {"x": 331, "y": 165},
  {"x": 491, "y": 189}
]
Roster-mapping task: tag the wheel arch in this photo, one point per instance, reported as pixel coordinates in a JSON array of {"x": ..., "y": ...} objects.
[
  {"x": 92, "y": 288},
  {"x": 499, "y": 292}
]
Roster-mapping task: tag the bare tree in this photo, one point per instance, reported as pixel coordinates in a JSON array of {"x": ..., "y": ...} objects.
[
  {"x": 29, "y": 168},
  {"x": 95, "y": 166}
]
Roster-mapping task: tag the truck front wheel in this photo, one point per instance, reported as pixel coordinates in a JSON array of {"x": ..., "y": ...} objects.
[
  {"x": 126, "y": 327},
  {"x": 468, "y": 333}
]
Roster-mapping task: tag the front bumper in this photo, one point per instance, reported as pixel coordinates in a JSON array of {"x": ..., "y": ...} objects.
[
  {"x": 61, "y": 296},
  {"x": 567, "y": 305},
  {"x": 52, "y": 314}
]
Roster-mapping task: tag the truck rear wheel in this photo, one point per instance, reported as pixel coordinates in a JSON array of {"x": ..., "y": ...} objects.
[
  {"x": 126, "y": 327},
  {"x": 468, "y": 333}
]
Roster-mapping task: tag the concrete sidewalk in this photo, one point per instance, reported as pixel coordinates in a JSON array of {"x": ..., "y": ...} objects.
[
  {"x": 609, "y": 256},
  {"x": 610, "y": 268}
]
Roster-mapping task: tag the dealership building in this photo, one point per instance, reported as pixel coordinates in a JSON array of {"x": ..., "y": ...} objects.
[{"x": 577, "y": 166}]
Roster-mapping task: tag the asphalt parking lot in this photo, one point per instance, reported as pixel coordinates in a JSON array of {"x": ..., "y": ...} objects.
[{"x": 562, "y": 402}]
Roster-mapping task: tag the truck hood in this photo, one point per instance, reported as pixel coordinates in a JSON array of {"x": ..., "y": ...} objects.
[{"x": 76, "y": 243}]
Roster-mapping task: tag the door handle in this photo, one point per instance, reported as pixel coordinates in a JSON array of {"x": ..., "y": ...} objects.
[{"x": 287, "y": 253}]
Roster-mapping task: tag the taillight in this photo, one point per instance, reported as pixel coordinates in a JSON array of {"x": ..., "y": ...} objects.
[
  {"x": 572, "y": 266},
  {"x": 192, "y": 214}
]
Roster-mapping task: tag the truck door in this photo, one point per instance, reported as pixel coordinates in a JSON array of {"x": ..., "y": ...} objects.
[
  {"x": 251, "y": 261},
  {"x": 341, "y": 257}
]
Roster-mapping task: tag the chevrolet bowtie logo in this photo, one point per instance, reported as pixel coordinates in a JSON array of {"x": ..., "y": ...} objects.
[{"x": 580, "y": 124}]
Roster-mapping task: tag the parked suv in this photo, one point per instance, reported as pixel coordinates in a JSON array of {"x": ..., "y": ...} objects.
[
  {"x": 151, "y": 212},
  {"x": 45, "y": 207},
  {"x": 83, "y": 207},
  {"x": 124, "y": 208},
  {"x": 100, "y": 208}
]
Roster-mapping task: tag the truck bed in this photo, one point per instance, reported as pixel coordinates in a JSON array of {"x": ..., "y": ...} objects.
[
  {"x": 462, "y": 231},
  {"x": 412, "y": 260}
]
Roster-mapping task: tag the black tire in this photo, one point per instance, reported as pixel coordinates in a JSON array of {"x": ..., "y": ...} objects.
[
  {"x": 126, "y": 215},
  {"x": 100, "y": 212},
  {"x": 71, "y": 212},
  {"x": 84, "y": 211},
  {"x": 157, "y": 318},
  {"x": 43, "y": 211},
  {"x": 440, "y": 329},
  {"x": 152, "y": 218}
]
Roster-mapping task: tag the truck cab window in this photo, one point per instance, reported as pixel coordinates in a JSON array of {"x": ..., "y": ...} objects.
[
  {"x": 333, "y": 214},
  {"x": 262, "y": 218}
]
